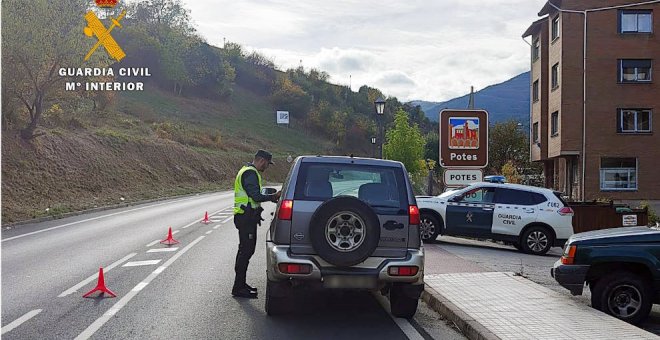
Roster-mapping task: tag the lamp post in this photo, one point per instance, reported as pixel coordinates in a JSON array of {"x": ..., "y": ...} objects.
[
  {"x": 373, "y": 143},
  {"x": 380, "y": 110}
]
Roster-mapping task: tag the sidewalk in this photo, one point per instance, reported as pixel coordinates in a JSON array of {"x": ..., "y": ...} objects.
[{"x": 496, "y": 305}]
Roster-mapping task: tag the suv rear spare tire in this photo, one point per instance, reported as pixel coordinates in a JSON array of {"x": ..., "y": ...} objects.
[{"x": 344, "y": 231}]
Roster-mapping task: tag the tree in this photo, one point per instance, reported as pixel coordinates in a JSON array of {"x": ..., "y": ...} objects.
[
  {"x": 511, "y": 173},
  {"x": 39, "y": 37},
  {"x": 405, "y": 143},
  {"x": 508, "y": 143}
]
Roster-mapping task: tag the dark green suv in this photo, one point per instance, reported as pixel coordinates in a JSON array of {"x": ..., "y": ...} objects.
[{"x": 621, "y": 266}]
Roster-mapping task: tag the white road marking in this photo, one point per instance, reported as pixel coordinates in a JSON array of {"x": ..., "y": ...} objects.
[
  {"x": 95, "y": 276},
  {"x": 198, "y": 221},
  {"x": 227, "y": 220},
  {"x": 98, "y": 217},
  {"x": 161, "y": 250},
  {"x": 176, "y": 231},
  {"x": 154, "y": 242},
  {"x": 29, "y": 315},
  {"x": 216, "y": 227},
  {"x": 96, "y": 325},
  {"x": 139, "y": 286},
  {"x": 208, "y": 232},
  {"x": 403, "y": 324},
  {"x": 141, "y": 263}
]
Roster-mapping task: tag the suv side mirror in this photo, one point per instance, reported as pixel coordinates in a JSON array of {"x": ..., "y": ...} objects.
[
  {"x": 268, "y": 191},
  {"x": 455, "y": 199}
]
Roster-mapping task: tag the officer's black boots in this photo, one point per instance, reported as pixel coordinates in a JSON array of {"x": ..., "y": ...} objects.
[
  {"x": 244, "y": 293},
  {"x": 252, "y": 289}
]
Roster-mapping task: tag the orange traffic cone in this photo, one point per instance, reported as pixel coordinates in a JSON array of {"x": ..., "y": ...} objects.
[
  {"x": 206, "y": 218},
  {"x": 100, "y": 287},
  {"x": 169, "y": 240}
]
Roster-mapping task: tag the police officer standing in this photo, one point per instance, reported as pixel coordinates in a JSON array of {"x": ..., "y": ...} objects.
[{"x": 247, "y": 214}]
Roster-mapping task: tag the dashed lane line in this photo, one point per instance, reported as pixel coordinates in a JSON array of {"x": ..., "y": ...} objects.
[
  {"x": 161, "y": 250},
  {"x": 99, "y": 217},
  {"x": 216, "y": 227},
  {"x": 96, "y": 325},
  {"x": 208, "y": 232},
  {"x": 141, "y": 263},
  {"x": 197, "y": 221},
  {"x": 27, "y": 316},
  {"x": 227, "y": 220},
  {"x": 95, "y": 276}
]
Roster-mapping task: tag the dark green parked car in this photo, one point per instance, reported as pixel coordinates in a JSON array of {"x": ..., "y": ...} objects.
[{"x": 621, "y": 266}]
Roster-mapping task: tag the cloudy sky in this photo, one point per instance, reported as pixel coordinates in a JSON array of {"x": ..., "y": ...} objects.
[{"x": 413, "y": 49}]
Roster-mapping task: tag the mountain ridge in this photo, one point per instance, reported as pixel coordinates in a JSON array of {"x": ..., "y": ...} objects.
[{"x": 508, "y": 100}]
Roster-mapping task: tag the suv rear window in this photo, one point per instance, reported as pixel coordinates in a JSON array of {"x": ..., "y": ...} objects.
[
  {"x": 518, "y": 197},
  {"x": 379, "y": 186}
]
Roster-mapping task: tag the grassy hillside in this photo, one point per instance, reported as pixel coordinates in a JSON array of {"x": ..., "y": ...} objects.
[{"x": 148, "y": 145}]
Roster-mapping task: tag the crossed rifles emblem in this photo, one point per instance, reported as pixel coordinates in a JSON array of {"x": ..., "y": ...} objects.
[{"x": 95, "y": 28}]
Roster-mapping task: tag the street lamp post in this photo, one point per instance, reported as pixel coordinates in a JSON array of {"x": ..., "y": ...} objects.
[
  {"x": 373, "y": 143},
  {"x": 380, "y": 110}
]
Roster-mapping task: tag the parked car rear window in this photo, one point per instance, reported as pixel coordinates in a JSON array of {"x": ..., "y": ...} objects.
[{"x": 379, "y": 186}]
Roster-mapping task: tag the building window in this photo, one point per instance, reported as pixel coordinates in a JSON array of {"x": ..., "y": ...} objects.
[
  {"x": 633, "y": 120},
  {"x": 555, "y": 28},
  {"x": 535, "y": 132},
  {"x": 618, "y": 174},
  {"x": 536, "y": 47},
  {"x": 634, "y": 70},
  {"x": 555, "y": 76},
  {"x": 635, "y": 21},
  {"x": 554, "y": 124},
  {"x": 535, "y": 91}
]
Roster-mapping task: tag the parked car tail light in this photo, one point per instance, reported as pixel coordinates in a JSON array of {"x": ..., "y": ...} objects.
[
  {"x": 286, "y": 210},
  {"x": 295, "y": 268},
  {"x": 403, "y": 270},
  {"x": 569, "y": 255},
  {"x": 413, "y": 212},
  {"x": 565, "y": 211}
]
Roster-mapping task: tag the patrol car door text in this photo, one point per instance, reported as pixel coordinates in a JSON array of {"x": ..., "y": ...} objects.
[{"x": 472, "y": 214}]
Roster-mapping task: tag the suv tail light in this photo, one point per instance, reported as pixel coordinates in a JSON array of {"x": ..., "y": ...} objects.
[
  {"x": 294, "y": 268},
  {"x": 286, "y": 210},
  {"x": 413, "y": 213},
  {"x": 403, "y": 270},
  {"x": 568, "y": 257},
  {"x": 565, "y": 211}
]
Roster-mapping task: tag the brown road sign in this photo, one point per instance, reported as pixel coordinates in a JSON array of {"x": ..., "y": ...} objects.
[{"x": 463, "y": 138}]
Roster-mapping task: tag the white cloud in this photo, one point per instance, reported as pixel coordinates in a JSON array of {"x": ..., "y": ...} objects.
[{"x": 431, "y": 50}]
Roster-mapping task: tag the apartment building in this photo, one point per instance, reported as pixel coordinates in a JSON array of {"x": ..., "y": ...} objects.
[{"x": 594, "y": 94}]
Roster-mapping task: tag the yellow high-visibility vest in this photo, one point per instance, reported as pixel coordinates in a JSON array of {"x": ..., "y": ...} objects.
[{"x": 240, "y": 195}]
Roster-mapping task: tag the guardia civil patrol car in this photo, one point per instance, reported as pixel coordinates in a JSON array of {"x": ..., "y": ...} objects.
[{"x": 531, "y": 219}]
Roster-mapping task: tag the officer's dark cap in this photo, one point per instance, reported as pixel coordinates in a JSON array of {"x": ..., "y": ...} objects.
[{"x": 265, "y": 155}]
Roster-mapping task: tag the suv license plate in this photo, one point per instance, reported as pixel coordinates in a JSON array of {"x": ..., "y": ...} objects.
[{"x": 349, "y": 281}]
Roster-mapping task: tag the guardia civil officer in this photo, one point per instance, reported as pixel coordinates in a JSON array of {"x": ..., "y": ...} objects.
[{"x": 247, "y": 214}]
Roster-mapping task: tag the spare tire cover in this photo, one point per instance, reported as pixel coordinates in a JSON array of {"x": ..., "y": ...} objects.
[{"x": 344, "y": 231}]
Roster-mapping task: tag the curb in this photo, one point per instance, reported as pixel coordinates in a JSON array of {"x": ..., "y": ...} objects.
[{"x": 472, "y": 329}]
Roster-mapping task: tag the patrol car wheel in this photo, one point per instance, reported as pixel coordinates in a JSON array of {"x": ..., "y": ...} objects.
[
  {"x": 344, "y": 231},
  {"x": 429, "y": 227},
  {"x": 536, "y": 240}
]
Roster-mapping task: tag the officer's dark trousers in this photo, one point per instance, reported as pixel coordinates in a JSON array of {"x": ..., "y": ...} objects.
[{"x": 247, "y": 233}]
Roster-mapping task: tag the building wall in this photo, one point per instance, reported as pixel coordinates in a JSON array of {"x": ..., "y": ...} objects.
[
  {"x": 605, "y": 95},
  {"x": 540, "y": 108}
]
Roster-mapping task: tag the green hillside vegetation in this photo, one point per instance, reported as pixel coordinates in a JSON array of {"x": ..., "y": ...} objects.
[{"x": 204, "y": 111}]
